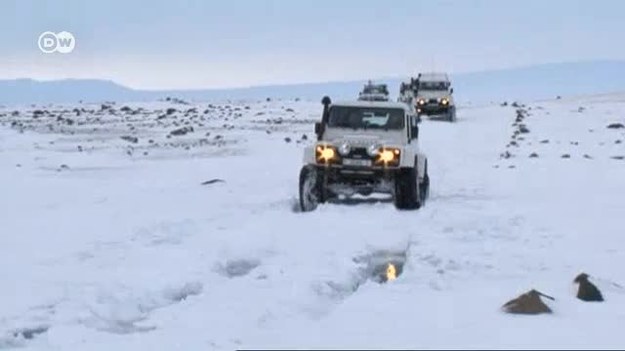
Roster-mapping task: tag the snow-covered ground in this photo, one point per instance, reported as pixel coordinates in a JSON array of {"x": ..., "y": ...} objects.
[{"x": 115, "y": 244}]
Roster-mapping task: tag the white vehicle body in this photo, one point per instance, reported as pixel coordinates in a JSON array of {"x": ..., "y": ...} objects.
[
  {"x": 374, "y": 92},
  {"x": 360, "y": 163},
  {"x": 434, "y": 96},
  {"x": 367, "y": 137}
]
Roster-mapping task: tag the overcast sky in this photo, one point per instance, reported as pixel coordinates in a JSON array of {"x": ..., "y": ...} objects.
[{"x": 204, "y": 44}]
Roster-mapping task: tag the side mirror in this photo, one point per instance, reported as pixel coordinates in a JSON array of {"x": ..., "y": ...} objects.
[
  {"x": 451, "y": 91},
  {"x": 415, "y": 132}
]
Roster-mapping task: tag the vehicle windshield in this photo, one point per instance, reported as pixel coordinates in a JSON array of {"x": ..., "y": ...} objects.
[
  {"x": 375, "y": 89},
  {"x": 433, "y": 86},
  {"x": 366, "y": 117}
]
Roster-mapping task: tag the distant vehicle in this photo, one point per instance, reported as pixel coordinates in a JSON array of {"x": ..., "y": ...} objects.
[
  {"x": 365, "y": 147},
  {"x": 374, "y": 92},
  {"x": 434, "y": 96}
]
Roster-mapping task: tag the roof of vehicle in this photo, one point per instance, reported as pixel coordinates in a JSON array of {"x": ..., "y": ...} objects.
[
  {"x": 434, "y": 77},
  {"x": 366, "y": 103}
]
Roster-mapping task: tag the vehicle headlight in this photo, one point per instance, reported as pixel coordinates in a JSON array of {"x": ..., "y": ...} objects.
[
  {"x": 344, "y": 149},
  {"x": 325, "y": 153},
  {"x": 373, "y": 150},
  {"x": 444, "y": 101},
  {"x": 421, "y": 102},
  {"x": 388, "y": 156}
]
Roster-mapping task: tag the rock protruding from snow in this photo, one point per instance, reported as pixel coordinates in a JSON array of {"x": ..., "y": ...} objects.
[
  {"x": 181, "y": 131},
  {"x": 130, "y": 139},
  {"x": 587, "y": 291},
  {"x": 213, "y": 181},
  {"x": 616, "y": 126},
  {"x": 528, "y": 303}
]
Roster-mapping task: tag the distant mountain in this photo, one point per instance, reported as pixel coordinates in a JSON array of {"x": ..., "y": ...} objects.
[{"x": 526, "y": 83}]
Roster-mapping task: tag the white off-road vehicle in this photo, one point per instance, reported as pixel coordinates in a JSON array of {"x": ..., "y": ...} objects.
[
  {"x": 434, "y": 96},
  {"x": 365, "y": 147},
  {"x": 374, "y": 92}
]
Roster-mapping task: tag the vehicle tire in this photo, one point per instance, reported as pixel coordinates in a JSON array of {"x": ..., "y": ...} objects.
[
  {"x": 424, "y": 190},
  {"x": 407, "y": 192},
  {"x": 452, "y": 114},
  {"x": 311, "y": 192}
]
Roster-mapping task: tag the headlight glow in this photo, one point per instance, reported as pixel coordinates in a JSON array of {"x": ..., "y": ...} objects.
[
  {"x": 421, "y": 102},
  {"x": 325, "y": 153},
  {"x": 388, "y": 156},
  {"x": 444, "y": 101}
]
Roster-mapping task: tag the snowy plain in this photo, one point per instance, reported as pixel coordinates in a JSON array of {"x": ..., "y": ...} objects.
[{"x": 110, "y": 243}]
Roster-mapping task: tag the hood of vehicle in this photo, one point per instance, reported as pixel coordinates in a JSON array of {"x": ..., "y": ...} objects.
[{"x": 364, "y": 138}]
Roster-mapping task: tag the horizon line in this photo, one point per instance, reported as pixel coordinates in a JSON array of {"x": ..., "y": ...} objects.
[{"x": 286, "y": 84}]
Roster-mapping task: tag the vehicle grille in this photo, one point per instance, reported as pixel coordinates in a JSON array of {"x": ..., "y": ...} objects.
[
  {"x": 433, "y": 101},
  {"x": 358, "y": 152}
]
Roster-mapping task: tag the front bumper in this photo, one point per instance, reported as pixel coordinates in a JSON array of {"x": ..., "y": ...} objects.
[
  {"x": 433, "y": 109},
  {"x": 364, "y": 180}
]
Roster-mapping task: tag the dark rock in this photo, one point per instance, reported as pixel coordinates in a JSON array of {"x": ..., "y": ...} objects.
[
  {"x": 546, "y": 141},
  {"x": 287, "y": 139},
  {"x": 181, "y": 131},
  {"x": 581, "y": 109},
  {"x": 170, "y": 111},
  {"x": 504, "y": 104},
  {"x": 616, "y": 126},
  {"x": 618, "y": 157},
  {"x": 558, "y": 97},
  {"x": 63, "y": 167},
  {"x": 515, "y": 104},
  {"x": 304, "y": 137},
  {"x": 586, "y": 156},
  {"x": 566, "y": 156},
  {"x": 618, "y": 142},
  {"x": 130, "y": 138},
  {"x": 213, "y": 181},
  {"x": 587, "y": 291},
  {"x": 533, "y": 155},
  {"x": 289, "y": 110},
  {"x": 30, "y": 333},
  {"x": 506, "y": 155},
  {"x": 528, "y": 303},
  {"x": 523, "y": 129}
]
